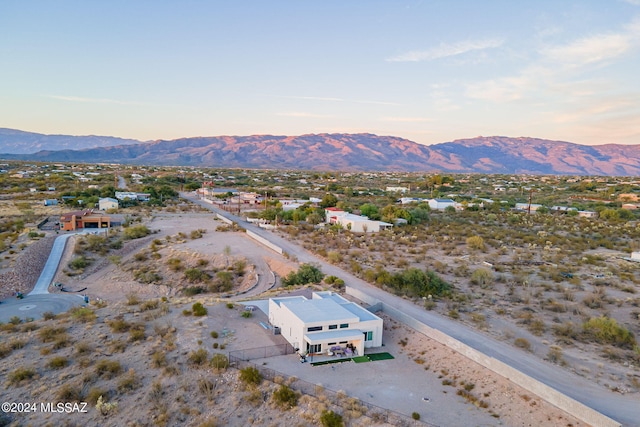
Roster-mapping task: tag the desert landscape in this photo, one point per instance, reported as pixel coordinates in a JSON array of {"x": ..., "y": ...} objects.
[{"x": 155, "y": 365}]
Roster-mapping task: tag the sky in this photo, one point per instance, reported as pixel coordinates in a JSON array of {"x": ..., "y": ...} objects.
[{"x": 430, "y": 71}]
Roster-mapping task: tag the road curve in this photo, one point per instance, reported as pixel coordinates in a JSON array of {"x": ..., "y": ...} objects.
[{"x": 622, "y": 408}]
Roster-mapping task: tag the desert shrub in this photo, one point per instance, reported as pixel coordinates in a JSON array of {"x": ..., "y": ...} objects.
[
  {"x": 119, "y": 325},
  {"x": 21, "y": 374},
  {"x": 150, "y": 305},
  {"x": 159, "y": 359},
  {"x": 331, "y": 419},
  {"x": 250, "y": 375},
  {"x": 195, "y": 275},
  {"x": 175, "y": 264},
  {"x": 80, "y": 262},
  {"x": 285, "y": 398},
  {"x": 49, "y": 333},
  {"x": 246, "y": 314},
  {"x": 58, "y": 362},
  {"x": 69, "y": 393},
  {"x": 475, "y": 243},
  {"x": 230, "y": 305},
  {"x": 147, "y": 275},
  {"x": 83, "y": 348},
  {"x": 219, "y": 361},
  {"x": 482, "y": 277},
  {"x": 223, "y": 283},
  {"x": 214, "y": 334},
  {"x": 83, "y": 314},
  {"x": 606, "y": 330},
  {"x": 522, "y": 343},
  {"x": 129, "y": 382},
  {"x": 106, "y": 368},
  {"x": 136, "y": 333},
  {"x": 48, "y": 315},
  {"x": 307, "y": 273},
  {"x": 415, "y": 415},
  {"x": 94, "y": 394},
  {"x": 136, "y": 232},
  {"x": 199, "y": 309},
  {"x": 198, "y": 357}
]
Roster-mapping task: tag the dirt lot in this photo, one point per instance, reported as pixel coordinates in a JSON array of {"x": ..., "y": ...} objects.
[{"x": 157, "y": 384}]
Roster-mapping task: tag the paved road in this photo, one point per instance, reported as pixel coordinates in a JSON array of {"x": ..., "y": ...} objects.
[
  {"x": 39, "y": 300},
  {"x": 622, "y": 408}
]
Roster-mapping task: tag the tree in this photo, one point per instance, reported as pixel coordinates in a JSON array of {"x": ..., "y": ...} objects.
[
  {"x": 370, "y": 211},
  {"x": 328, "y": 201}
]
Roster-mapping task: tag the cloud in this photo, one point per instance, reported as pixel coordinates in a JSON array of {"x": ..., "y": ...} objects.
[
  {"x": 446, "y": 50},
  {"x": 306, "y": 115},
  {"x": 590, "y": 50}
]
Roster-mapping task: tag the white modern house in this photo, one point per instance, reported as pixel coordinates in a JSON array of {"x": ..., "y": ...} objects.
[
  {"x": 441, "y": 204},
  {"x": 107, "y": 203},
  {"x": 355, "y": 223},
  {"x": 325, "y": 323}
]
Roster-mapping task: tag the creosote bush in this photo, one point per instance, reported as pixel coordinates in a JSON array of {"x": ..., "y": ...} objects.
[
  {"x": 250, "y": 375},
  {"x": 198, "y": 309},
  {"x": 285, "y": 398}
]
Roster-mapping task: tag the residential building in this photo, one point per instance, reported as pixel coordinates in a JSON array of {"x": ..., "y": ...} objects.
[
  {"x": 107, "y": 203},
  {"x": 441, "y": 204},
  {"x": 325, "y": 323},
  {"x": 84, "y": 219},
  {"x": 355, "y": 223}
]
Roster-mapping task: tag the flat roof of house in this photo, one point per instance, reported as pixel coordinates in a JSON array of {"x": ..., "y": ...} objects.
[
  {"x": 319, "y": 310},
  {"x": 354, "y": 308}
]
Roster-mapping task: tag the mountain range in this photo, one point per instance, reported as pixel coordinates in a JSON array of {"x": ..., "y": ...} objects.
[{"x": 347, "y": 152}]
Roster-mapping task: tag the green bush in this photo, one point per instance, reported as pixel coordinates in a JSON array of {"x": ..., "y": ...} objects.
[
  {"x": 285, "y": 398},
  {"x": 198, "y": 357},
  {"x": 415, "y": 416},
  {"x": 108, "y": 368},
  {"x": 246, "y": 314},
  {"x": 250, "y": 375},
  {"x": 136, "y": 232},
  {"x": 195, "y": 275},
  {"x": 219, "y": 361},
  {"x": 199, "y": 309},
  {"x": 331, "y": 419},
  {"x": 21, "y": 374},
  {"x": 58, "y": 362},
  {"x": 605, "y": 330},
  {"x": 307, "y": 273}
]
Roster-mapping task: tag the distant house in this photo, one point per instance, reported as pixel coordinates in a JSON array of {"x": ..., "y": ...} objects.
[
  {"x": 51, "y": 202},
  {"x": 355, "y": 223},
  {"x": 587, "y": 214},
  {"x": 562, "y": 209},
  {"x": 128, "y": 195},
  {"x": 629, "y": 206},
  {"x": 325, "y": 323},
  {"x": 87, "y": 218},
  {"x": 526, "y": 206},
  {"x": 107, "y": 203},
  {"x": 441, "y": 204},
  {"x": 397, "y": 190}
]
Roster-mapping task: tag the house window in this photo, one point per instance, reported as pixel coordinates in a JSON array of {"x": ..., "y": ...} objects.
[
  {"x": 344, "y": 325},
  {"x": 333, "y": 326},
  {"x": 314, "y": 328},
  {"x": 368, "y": 336},
  {"x": 314, "y": 348},
  {"x": 331, "y": 343}
]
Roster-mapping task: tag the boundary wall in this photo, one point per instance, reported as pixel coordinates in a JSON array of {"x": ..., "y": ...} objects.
[
  {"x": 264, "y": 241},
  {"x": 551, "y": 395},
  {"x": 224, "y": 219}
]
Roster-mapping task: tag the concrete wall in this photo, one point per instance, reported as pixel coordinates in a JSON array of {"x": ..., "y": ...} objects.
[
  {"x": 224, "y": 219},
  {"x": 265, "y": 242},
  {"x": 562, "y": 401}
]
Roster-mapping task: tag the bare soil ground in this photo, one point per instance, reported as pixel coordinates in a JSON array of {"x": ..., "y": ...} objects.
[{"x": 157, "y": 384}]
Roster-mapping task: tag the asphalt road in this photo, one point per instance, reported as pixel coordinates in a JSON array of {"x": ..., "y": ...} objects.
[{"x": 622, "y": 408}]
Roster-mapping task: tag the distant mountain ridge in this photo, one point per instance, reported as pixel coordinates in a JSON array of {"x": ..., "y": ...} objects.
[
  {"x": 19, "y": 142},
  {"x": 348, "y": 152}
]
